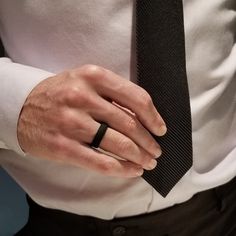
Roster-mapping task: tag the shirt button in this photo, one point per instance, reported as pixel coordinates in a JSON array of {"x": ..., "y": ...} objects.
[{"x": 119, "y": 231}]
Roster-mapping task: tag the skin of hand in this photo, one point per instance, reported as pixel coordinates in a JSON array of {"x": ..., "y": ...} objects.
[{"x": 62, "y": 114}]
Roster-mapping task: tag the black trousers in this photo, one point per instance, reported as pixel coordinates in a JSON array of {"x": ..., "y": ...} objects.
[{"x": 209, "y": 213}]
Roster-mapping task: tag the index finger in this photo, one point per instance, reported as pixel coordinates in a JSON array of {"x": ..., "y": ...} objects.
[{"x": 133, "y": 97}]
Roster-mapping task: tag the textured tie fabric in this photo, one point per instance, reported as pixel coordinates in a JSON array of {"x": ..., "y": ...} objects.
[{"x": 161, "y": 71}]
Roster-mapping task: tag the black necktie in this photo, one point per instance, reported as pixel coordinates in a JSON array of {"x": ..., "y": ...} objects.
[
  {"x": 1, "y": 49},
  {"x": 161, "y": 71}
]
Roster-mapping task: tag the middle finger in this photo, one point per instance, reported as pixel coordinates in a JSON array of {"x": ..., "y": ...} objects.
[{"x": 125, "y": 122}]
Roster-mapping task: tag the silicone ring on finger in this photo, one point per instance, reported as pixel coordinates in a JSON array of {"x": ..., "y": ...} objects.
[{"x": 99, "y": 135}]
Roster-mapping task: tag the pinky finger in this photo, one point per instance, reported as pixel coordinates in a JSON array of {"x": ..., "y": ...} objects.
[{"x": 104, "y": 164}]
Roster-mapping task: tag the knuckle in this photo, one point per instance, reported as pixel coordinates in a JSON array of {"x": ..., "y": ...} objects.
[
  {"x": 66, "y": 120},
  {"x": 107, "y": 167},
  {"x": 58, "y": 145},
  {"x": 76, "y": 97},
  {"x": 145, "y": 100},
  {"x": 61, "y": 147},
  {"x": 70, "y": 94},
  {"x": 91, "y": 71},
  {"x": 125, "y": 145},
  {"x": 131, "y": 125}
]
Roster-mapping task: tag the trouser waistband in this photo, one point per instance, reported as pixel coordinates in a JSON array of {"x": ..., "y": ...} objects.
[{"x": 213, "y": 209}]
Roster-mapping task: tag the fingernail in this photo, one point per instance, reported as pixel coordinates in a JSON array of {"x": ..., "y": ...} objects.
[
  {"x": 162, "y": 130},
  {"x": 152, "y": 164},
  {"x": 139, "y": 172},
  {"x": 158, "y": 153}
]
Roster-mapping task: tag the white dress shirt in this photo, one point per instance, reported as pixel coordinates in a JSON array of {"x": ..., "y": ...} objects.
[{"x": 44, "y": 37}]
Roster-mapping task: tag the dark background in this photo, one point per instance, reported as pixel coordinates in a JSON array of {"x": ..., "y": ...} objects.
[{"x": 13, "y": 207}]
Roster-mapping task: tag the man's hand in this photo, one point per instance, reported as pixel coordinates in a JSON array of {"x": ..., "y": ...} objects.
[{"x": 63, "y": 113}]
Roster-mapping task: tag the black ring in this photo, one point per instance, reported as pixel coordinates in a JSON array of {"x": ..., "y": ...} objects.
[{"x": 99, "y": 135}]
